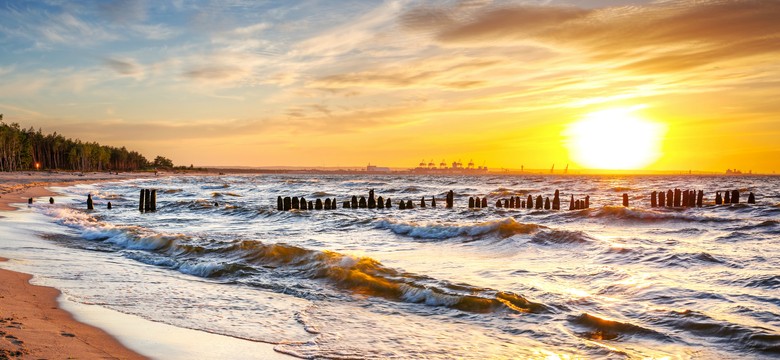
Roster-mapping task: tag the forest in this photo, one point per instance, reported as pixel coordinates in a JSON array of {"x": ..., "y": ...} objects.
[{"x": 28, "y": 149}]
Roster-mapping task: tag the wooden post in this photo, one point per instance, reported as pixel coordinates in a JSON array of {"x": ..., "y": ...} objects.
[
  {"x": 571, "y": 203},
  {"x": 380, "y": 203},
  {"x": 147, "y": 200},
  {"x": 296, "y": 203},
  {"x": 354, "y": 202},
  {"x": 652, "y": 199},
  {"x": 529, "y": 202},
  {"x": 661, "y": 199},
  {"x": 509, "y": 203},
  {"x": 402, "y": 205},
  {"x": 279, "y": 203},
  {"x": 471, "y": 202},
  {"x": 751, "y": 198},
  {"x": 422, "y": 202},
  {"x": 346, "y": 205},
  {"x": 388, "y": 203},
  {"x": 556, "y": 203},
  {"x": 539, "y": 202},
  {"x": 311, "y": 205},
  {"x": 577, "y": 204},
  {"x": 450, "y": 199},
  {"x": 108, "y": 206},
  {"x": 700, "y": 198},
  {"x": 677, "y": 197},
  {"x": 735, "y": 196},
  {"x": 625, "y": 199},
  {"x": 29, "y": 201},
  {"x": 362, "y": 203},
  {"x": 51, "y": 200},
  {"x": 587, "y": 201},
  {"x": 685, "y": 198},
  {"x": 154, "y": 199},
  {"x": 669, "y": 198},
  {"x": 547, "y": 203},
  {"x": 727, "y": 197},
  {"x": 409, "y": 204},
  {"x": 498, "y": 203},
  {"x": 287, "y": 203},
  {"x": 141, "y": 201},
  {"x": 90, "y": 205},
  {"x": 484, "y": 202},
  {"x": 327, "y": 203},
  {"x": 477, "y": 202},
  {"x": 318, "y": 204},
  {"x": 333, "y": 205},
  {"x": 371, "y": 200},
  {"x": 433, "y": 201}
]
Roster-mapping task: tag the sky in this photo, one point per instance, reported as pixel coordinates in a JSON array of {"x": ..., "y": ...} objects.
[{"x": 345, "y": 83}]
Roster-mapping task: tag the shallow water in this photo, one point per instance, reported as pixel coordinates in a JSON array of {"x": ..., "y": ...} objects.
[{"x": 433, "y": 282}]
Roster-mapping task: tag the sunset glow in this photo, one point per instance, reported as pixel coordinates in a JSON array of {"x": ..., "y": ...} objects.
[
  {"x": 298, "y": 83},
  {"x": 614, "y": 139}
]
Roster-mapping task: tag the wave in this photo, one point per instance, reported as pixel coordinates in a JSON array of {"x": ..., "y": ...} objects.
[
  {"x": 686, "y": 260},
  {"x": 220, "y": 195},
  {"x": 644, "y": 215},
  {"x": 561, "y": 237},
  {"x": 596, "y": 328},
  {"x": 359, "y": 275},
  {"x": 701, "y": 325},
  {"x": 503, "y": 228}
]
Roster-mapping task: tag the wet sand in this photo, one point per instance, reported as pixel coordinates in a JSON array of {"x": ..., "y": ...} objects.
[{"x": 33, "y": 326}]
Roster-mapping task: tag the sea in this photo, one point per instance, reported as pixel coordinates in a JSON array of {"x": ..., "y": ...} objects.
[{"x": 609, "y": 281}]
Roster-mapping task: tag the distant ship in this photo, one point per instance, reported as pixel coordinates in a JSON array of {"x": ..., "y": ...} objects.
[{"x": 456, "y": 168}]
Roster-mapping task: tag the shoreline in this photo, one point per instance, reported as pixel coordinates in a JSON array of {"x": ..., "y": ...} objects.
[
  {"x": 34, "y": 325},
  {"x": 39, "y": 322}
]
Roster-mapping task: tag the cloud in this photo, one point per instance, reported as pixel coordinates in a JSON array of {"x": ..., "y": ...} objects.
[
  {"x": 124, "y": 11},
  {"x": 217, "y": 73},
  {"x": 664, "y": 36},
  {"x": 123, "y": 67}
]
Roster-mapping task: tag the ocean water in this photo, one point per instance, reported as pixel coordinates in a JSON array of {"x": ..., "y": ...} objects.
[{"x": 603, "y": 282}]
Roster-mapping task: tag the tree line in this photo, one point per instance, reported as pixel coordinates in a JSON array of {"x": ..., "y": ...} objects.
[{"x": 28, "y": 149}]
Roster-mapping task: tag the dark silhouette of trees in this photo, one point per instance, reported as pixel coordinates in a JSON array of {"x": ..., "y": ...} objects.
[
  {"x": 162, "y": 162},
  {"x": 22, "y": 149}
]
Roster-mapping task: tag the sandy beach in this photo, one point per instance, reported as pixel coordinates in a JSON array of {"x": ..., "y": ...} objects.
[{"x": 33, "y": 325}]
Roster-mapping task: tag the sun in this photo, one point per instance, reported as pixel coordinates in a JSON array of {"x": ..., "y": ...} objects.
[{"x": 614, "y": 139}]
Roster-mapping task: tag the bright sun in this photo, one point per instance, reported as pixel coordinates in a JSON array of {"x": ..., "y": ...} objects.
[{"x": 614, "y": 139}]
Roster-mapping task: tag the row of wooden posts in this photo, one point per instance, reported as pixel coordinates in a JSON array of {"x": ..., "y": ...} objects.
[
  {"x": 516, "y": 202},
  {"x": 90, "y": 203},
  {"x": 290, "y": 203},
  {"x": 148, "y": 200}
]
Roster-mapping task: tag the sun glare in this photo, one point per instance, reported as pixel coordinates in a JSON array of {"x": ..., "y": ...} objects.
[{"x": 614, "y": 139}]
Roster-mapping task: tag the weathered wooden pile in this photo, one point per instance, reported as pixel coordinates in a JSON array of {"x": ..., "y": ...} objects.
[
  {"x": 372, "y": 202},
  {"x": 148, "y": 200},
  {"x": 691, "y": 198}
]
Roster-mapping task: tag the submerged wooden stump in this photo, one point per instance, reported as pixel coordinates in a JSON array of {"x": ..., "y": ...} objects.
[
  {"x": 279, "y": 203},
  {"x": 735, "y": 196},
  {"x": 669, "y": 198},
  {"x": 498, "y": 203},
  {"x": 327, "y": 204},
  {"x": 450, "y": 199},
  {"x": 625, "y": 199},
  {"x": 726, "y": 197},
  {"x": 147, "y": 200},
  {"x": 296, "y": 203},
  {"x": 287, "y": 203},
  {"x": 362, "y": 203},
  {"x": 587, "y": 201},
  {"x": 529, "y": 202},
  {"x": 108, "y": 206},
  {"x": 677, "y": 197},
  {"x": 556, "y": 203},
  {"x": 154, "y": 199},
  {"x": 388, "y": 203},
  {"x": 409, "y": 204},
  {"x": 471, "y": 202},
  {"x": 547, "y": 203},
  {"x": 311, "y": 205},
  {"x": 402, "y": 205},
  {"x": 318, "y": 204},
  {"x": 700, "y": 198},
  {"x": 141, "y": 201},
  {"x": 661, "y": 199},
  {"x": 51, "y": 200},
  {"x": 371, "y": 200},
  {"x": 422, "y": 202},
  {"x": 484, "y": 202},
  {"x": 652, "y": 199},
  {"x": 751, "y": 198},
  {"x": 571, "y": 203},
  {"x": 90, "y": 205},
  {"x": 354, "y": 202},
  {"x": 433, "y": 201},
  {"x": 539, "y": 202},
  {"x": 346, "y": 205},
  {"x": 380, "y": 203},
  {"x": 477, "y": 202}
]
